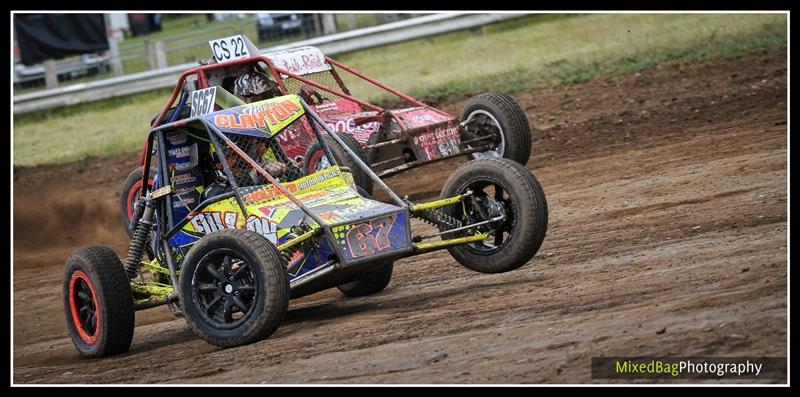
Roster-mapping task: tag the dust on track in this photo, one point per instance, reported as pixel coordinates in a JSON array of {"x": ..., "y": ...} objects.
[{"x": 667, "y": 237}]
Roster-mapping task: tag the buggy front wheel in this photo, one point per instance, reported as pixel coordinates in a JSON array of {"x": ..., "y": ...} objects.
[
  {"x": 505, "y": 190},
  {"x": 234, "y": 288},
  {"x": 499, "y": 120},
  {"x": 98, "y": 302}
]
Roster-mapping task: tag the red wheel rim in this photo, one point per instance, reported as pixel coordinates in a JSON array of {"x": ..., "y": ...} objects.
[
  {"x": 312, "y": 162},
  {"x": 86, "y": 336},
  {"x": 133, "y": 195}
]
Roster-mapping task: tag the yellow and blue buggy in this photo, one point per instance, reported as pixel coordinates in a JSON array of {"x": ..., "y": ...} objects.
[{"x": 232, "y": 228}]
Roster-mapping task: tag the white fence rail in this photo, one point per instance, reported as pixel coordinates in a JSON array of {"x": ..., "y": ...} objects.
[{"x": 331, "y": 44}]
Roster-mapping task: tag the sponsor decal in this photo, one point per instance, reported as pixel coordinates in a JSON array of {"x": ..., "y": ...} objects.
[
  {"x": 182, "y": 166},
  {"x": 341, "y": 106},
  {"x": 317, "y": 179},
  {"x": 348, "y": 125},
  {"x": 263, "y": 226},
  {"x": 298, "y": 185},
  {"x": 326, "y": 106},
  {"x": 441, "y": 142},
  {"x": 418, "y": 117},
  {"x": 180, "y": 152},
  {"x": 177, "y": 138},
  {"x": 183, "y": 179},
  {"x": 182, "y": 158},
  {"x": 183, "y": 201},
  {"x": 300, "y": 61},
  {"x": 269, "y": 194},
  {"x": 274, "y": 115},
  {"x": 439, "y": 134},
  {"x": 423, "y": 118},
  {"x": 367, "y": 238},
  {"x": 360, "y": 132},
  {"x": 212, "y": 221}
]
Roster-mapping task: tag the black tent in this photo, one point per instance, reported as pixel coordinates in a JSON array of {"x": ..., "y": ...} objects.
[
  {"x": 142, "y": 24},
  {"x": 55, "y": 36}
]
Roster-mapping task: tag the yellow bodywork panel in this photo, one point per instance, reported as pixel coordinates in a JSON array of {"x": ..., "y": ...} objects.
[
  {"x": 268, "y": 206},
  {"x": 271, "y": 115}
]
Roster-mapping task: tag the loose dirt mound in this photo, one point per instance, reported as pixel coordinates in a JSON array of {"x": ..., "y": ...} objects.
[
  {"x": 667, "y": 237},
  {"x": 70, "y": 212},
  {"x": 69, "y": 204}
]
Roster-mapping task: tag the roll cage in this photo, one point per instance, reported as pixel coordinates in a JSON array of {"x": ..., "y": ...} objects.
[
  {"x": 220, "y": 142},
  {"x": 201, "y": 77}
]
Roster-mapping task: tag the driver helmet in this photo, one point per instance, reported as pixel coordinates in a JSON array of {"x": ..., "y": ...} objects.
[{"x": 253, "y": 86}]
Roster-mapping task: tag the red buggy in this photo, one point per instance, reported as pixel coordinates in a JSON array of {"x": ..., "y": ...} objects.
[{"x": 392, "y": 140}]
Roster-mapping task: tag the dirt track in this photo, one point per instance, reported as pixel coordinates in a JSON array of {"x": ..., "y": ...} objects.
[{"x": 667, "y": 237}]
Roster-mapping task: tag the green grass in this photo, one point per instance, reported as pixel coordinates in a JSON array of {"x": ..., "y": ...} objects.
[
  {"x": 535, "y": 51},
  {"x": 558, "y": 50},
  {"x": 97, "y": 129},
  {"x": 362, "y": 21}
]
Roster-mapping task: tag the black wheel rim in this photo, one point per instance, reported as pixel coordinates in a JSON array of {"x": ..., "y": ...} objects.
[
  {"x": 86, "y": 307},
  {"x": 489, "y": 199},
  {"x": 224, "y": 289}
]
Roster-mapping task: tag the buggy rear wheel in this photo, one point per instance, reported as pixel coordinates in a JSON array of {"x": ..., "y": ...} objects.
[
  {"x": 500, "y": 119},
  {"x": 501, "y": 189},
  {"x": 370, "y": 282},
  {"x": 131, "y": 190},
  {"x": 234, "y": 288},
  {"x": 316, "y": 160},
  {"x": 98, "y": 302}
]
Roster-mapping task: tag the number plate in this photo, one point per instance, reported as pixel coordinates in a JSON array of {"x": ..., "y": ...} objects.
[
  {"x": 372, "y": 237},
  {"x": 229, "y": 48},
  {"x": 203, "y": 101}
]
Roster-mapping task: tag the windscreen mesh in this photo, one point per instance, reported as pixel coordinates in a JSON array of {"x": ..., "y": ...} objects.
[
  {"x": 309, "y": 93},
  {"x": 269, "y": 155}
]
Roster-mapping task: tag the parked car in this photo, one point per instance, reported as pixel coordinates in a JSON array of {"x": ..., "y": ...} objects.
[{"x": 276, "y": 26}]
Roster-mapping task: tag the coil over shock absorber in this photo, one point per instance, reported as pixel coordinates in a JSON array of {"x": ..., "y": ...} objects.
[
  {"x": 140, "y": 239},
  {"x": 438, "y": 218}
]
